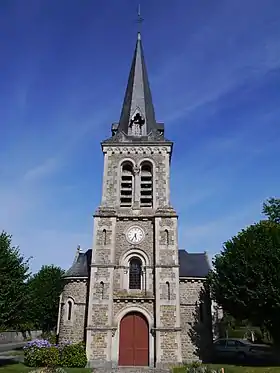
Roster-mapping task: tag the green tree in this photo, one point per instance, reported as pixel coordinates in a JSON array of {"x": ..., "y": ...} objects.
[
  {"x": 14, "y": 271},
  {"x": 271, "y": 208},
  {"x": 245, "y": 279},
  {"x": 44, "y": 288}
]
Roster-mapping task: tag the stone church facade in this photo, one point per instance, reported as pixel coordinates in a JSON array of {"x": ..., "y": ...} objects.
[{"x": 135, "y": 298}]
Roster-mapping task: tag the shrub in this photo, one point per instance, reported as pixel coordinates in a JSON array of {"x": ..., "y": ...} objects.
[
  {"x": 74, "y": 356},
  {"x": 40, "y": 353},
  {"x": 33, "y": 352},
  {"x": 50, "y": 357}
]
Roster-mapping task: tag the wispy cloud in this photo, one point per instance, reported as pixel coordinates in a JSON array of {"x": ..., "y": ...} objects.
[
  {"x": 62, "y": 88},
  {"x": 48, "y": 167},
  {"x": 219, "y": 56}
]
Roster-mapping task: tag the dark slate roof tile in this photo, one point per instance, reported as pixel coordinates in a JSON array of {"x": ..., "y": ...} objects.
[
  {"x": 81, "y": 266},
  {"x": 193, "y": 264}
]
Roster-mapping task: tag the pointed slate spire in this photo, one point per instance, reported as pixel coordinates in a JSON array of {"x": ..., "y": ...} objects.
[{"x": 137, "y": 115}]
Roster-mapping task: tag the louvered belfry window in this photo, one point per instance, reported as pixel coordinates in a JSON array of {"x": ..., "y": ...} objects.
[
  {"x": 126, "y": 188},
  {"x": 146, "y": 186}
]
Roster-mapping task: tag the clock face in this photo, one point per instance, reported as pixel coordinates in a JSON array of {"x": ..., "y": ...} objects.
[{"x": 135, "y": 235}]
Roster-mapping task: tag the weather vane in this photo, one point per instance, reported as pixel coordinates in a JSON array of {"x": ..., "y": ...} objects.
[{"x": 139, "y": 18}]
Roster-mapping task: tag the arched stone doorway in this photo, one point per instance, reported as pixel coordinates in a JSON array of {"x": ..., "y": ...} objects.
[{"x": 134, "y": 340}]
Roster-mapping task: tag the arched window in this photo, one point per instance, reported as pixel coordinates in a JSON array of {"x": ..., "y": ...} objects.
[
  {"x": 166, "y": 237},
  {"x": 135, "y": 273},
  {"x": 146, "y": 186},
  {"x": 201, "y": 312},
  {"x": 168, "y": 290},
  {"x": 69, "y": 310},
  {"x": 102, "y": 289},
  {"x": 126, "y": 187},
  {"x": 104, "y": 237}
]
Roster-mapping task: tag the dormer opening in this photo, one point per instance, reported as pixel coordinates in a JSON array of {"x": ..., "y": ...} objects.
[{"x": 135, "y": 127}]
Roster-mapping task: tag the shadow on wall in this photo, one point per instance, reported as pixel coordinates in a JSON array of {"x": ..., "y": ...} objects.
[{"x": 200, "y": 331}]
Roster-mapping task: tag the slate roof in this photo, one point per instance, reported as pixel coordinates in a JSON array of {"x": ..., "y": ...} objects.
[
  {"x": 80, "y": 266},
  {"x": 138, "y": 97},
  {"x": 138, "y": 93},
  {"x": 191, "y": 265}
]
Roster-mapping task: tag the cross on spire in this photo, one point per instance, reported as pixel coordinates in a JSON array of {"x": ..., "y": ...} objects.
[
  {"x": 138, "y": 109},
  {"x": 137, "y": 120},
  {"x": 140, "y": 20}
]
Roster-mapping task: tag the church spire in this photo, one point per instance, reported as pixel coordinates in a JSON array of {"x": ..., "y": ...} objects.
[
  {"x": 137, "y": 115},
  {"x": 137, "y": 120}
]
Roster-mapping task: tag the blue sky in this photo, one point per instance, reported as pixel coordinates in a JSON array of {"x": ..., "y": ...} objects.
[{"x": 214, "y": 70}]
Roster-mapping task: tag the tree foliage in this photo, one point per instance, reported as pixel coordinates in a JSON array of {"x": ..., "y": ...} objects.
[
  {"x": 271, "y": 208},
  {"x": 245, "y": 279},
  {"x": 14, "y": 271},
  {"x": 45, "y": 288}
]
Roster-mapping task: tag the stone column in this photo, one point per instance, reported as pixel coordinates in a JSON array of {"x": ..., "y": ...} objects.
[
  {"x": 168, "y": 326},
  {"x": 100, "y": 313},
  {"x": 137, "y": 182}
]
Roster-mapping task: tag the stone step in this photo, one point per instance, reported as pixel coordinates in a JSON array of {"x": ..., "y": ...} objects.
[{"x": 132, "y": 369}]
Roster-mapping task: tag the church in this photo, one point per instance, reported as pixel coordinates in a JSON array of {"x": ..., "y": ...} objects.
[{"x": 135, "y": 299}]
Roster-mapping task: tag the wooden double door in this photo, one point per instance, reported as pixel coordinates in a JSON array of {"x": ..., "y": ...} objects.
[{"x": 134, "y": 340}]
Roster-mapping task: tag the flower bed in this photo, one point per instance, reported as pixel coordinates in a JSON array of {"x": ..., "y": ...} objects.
[{"x": 41, "y": 353}]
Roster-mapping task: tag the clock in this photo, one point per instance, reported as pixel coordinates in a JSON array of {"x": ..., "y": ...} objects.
[{"x": 135, "y": 235}]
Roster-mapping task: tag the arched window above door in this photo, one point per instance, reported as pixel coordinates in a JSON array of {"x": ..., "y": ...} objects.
[
  {"x": 135, "y": 273},
  {"x": 135, "y": 264}
]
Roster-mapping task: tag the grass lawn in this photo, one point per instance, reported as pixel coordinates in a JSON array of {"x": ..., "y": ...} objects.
[
  {"x": 20, "y": 368},
  {"x": 236, "y": 369}
]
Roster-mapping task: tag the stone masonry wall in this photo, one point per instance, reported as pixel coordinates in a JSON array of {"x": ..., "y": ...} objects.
[
  {"x": 98, "y": 346},
  {"x": 120, "y": 306},
  {"x": 195, "y": 320},
  {"x": 158, "y": 155},
  {"x": 73, "y": 330},
  {"x": 170, "y": 347},
  {"x": 123, "y": 247},
  {"x": 167, "y": 291},
  {"x": 101, "y": 291},
  {"x": 17, "y": 337},
  {"x": 109, "y": 272}
]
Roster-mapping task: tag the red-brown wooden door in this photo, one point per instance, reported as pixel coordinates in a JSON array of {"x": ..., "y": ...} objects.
[{"x": 134, "y": 341}]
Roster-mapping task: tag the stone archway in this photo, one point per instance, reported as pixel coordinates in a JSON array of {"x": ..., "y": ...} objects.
[{"x": 134, "y": 340}]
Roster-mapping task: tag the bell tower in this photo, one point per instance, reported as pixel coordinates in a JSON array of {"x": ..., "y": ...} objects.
[{"x": 134, "y": 305}]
